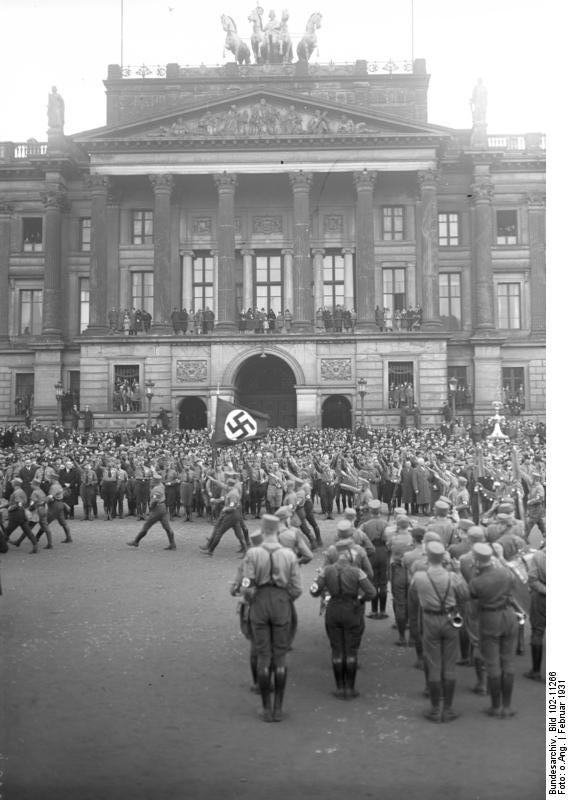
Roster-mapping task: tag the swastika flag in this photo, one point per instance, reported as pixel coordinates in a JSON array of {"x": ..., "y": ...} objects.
[{"x": 234, "y": 424}]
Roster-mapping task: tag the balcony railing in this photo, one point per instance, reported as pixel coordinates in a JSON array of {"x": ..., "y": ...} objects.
[
  {"x": 19, "y": 151},
  {"x": 529, "y": 141}
]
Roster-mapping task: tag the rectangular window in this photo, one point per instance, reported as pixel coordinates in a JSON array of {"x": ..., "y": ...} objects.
[
  {"x": 268, "y": 282},
  {"x": 84, "y": 296},
  {"x": 394, "y": 289},
  {"x": 401, "y": 384},
  {"x": 126, "y": 388},
  {"x": 448, "y": 229},
  {"x": 85, "y": 234},
  {"x": 450, "y": 300},
  {"x": 31, "y": 305},
  {"x": 202, "y": 283},
  {"x": 24, "y": 396},
  {"x": 32, "y": 234},
  {"x": 507, "y": 232},
  {"x": 464, "y": 391},
  {"x": 333, "y": 280},
  {"x": 509, "y": 305},
  {"x": 393, "y": 223},
  {"x": 142, "y": 227},
  {"x": 75, "y": 387},
  {"x": 513, "y": 392},
  {"x": 143, "y": 291}
]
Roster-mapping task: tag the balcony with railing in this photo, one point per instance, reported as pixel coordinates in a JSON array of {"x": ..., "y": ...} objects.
[
  {"x": 22, "y": 151},
  {"x": 517, "y": 142}
]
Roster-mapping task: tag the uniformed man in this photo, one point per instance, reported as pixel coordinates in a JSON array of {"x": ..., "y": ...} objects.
[
  {"x": 537, "y": 586},
  {"x": 17, "y": 518},
  {"x": 398, "y": 545},
  {"x": 349, "y": 587},
  {"x": 230, "y": 517},
  {"x": 374, "y": 528},
  {"x": 271, "y": 581},
  {"x": 158, "y": 513},
  {"x": 493, "y": 589},
  {"x": 439, "y": 593}
]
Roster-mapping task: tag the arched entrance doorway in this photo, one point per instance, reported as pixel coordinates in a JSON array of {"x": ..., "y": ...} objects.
[
  {"x": 192, "y": 413},
  {"x": 266, "y": 383},
  {"x": 336, "y": 412}
]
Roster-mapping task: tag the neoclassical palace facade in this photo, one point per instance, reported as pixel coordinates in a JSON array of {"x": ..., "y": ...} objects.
[{"x": 287, "y": 186}]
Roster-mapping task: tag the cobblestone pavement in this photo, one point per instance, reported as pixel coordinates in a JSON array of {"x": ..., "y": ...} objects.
[{"x": 124, "y": 675}]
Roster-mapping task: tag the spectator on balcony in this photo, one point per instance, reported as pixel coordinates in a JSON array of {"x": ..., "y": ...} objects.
[
  {"x": 126, "y": 323},
  {"x": 146, "y": 320},
  {"x": 199, "y": 321},
  {"x": 138, "y": 321},
  {"x": 397, "y": 319},
  {"x": 191, "y": 322},
  {"x": 338, "y": 319},
  {"x": 387, "y": 316},
  {"x": 242, "y": 321},
  {"x": 183, "y": 320},
  {"x": 379, "y": 318},
  {"x": 327, "y": 320},
  {"x": 288, "y": 320},
  {"x": 279, "y": 322},
  {"x": 271, "y": 321},
  {"x": 75, "y": 417},
  {"x": 208, "y": 320},
  {"x": 261, "y": 321},
  {"x": 89, "y": 419},
  {"x": 175, "y": 320},
  {"x": 319, "y": 319}
]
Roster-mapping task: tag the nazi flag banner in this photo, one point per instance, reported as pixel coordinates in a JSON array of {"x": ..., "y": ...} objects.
[{"x": 234, "y": 424}]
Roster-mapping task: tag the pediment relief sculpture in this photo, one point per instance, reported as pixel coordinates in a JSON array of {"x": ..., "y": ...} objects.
[{"x": 263, "y": 119}]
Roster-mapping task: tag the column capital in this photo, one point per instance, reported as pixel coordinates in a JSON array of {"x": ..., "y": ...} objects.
[
  {"x": 300, "y": 180},
  {"x": 364, "y": 179},
  {"x": 428, "y": 179},
  {"x": 482, "y": 191},
  {"x": 347, "y": 251},
  {"x": 162, "y": 184},
  {"x": 287, "y": 251},
  {"x": 6, "y": 210},
  {"x": 185, "y": 252},
  {"x": 535, "y": 200},
  {"x": 318, "y": 251},
  {"x": 98, "y": 184},
  {"x": 225, "y": 181},
  {"x": 54, "y": 198},
  {"x": 247, "y": 251}
]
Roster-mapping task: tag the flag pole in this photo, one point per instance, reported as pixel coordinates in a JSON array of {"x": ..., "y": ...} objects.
[{"x": 121, "y": 34}]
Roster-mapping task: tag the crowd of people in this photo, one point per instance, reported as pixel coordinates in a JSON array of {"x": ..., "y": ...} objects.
[
  {"x": 454, "y": 527},
  {"x": 129, "y": 321}
]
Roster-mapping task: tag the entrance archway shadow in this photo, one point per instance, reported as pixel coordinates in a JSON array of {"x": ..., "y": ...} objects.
[
  {"x": 267, "y": 384},
  {"x": 192, "y": 414},
  {"x": 336, "y": 412}
]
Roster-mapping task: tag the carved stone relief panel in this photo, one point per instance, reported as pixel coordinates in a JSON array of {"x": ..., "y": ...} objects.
[{"x": 191, "y": 371}]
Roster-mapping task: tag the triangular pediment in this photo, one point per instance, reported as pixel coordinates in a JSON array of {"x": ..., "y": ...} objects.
[{"x": 267, "y": 115}]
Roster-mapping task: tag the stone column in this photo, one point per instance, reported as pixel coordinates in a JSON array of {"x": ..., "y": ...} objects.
[
  {"x": 247, "y": 278},
  {"x": 365, "y": 251},
  {"x": 318, "y": 254},
  {"x": 537, "y": 243},
  {"x": 288, "y": 280},
  {"x": 348, "y": 279},
  {"x": 5, "y": 225},
  {"x": 225, "y": 318},
  {"x": 482, "y": 194},
  {"x": 162, "y": 186},
  {"x": 113, "y": 250},
  {"x": 98, "y": 323},
  {"x": 187, "y": 279},
  {"x": 215, "y": 309},
  {"x": 54, "y": 200},
  {"x": 302, "y": 269},
  {"x": 427, "y": 250}
]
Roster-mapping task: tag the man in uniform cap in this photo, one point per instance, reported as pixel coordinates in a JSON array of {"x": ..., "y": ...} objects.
[
  {"x": 244, "y": 613},
  {"x": 537, "y": 586},
  {"x": 493, "y": 588},
  {"x": 398, "y": 545},
  {"x": 273, "y": 575},
  {"x": 374, "y": 528},
  {"x": 439, "y": 593},
  {"x": 441, "y": 523},
  {"x": 158, "y": 513},
  {"x": 17, "y": 503}
]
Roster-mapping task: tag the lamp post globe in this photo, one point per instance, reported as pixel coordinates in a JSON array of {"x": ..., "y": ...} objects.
[
  {"x": 58, "y": 396},
  {"x": 149, "y": 389},
  {"x": 362, "y": 390}
]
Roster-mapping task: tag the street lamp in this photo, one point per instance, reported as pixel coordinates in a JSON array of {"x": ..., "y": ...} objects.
[
  {"x": 58, "y": 395},
  {"x": 453, "y": 386},
  {"x": 149, "y": 387},
  {"x": 362, "y": 390}
]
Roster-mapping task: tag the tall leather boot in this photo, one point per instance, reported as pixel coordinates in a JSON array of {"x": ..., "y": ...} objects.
[
  {"x": 67, "y": 535},
  {"x": 494, "y": 687},
  {"x": 171, "y": 540},
  {"x": 254, "y": 672},
  {"x": 435, "y": 693},
  {"x": 318, "y": 536},
  {"x": 280, "y": 675},
  {"x": 264, "y": 686},
  {"x": 49, "y": 545},
  {"x": 536, "y": 657},
  {"x": 448, "y": 712},
  {"x": 338, "y": 666},
  {"x": 350, "y": 676},
  {"x": 507, "y": 681},
  {"x": 480, "y": 674}
]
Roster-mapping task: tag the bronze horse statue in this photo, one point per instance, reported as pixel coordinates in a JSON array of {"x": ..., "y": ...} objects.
[
  {"x": 233, "y": 41},
  {"x": 308, "y": 42}
]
